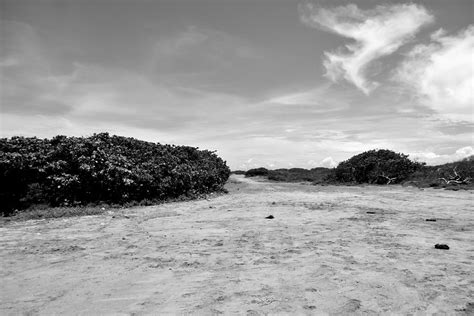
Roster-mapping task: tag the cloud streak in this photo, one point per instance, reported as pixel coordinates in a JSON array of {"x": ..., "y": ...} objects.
[{"x": 377, "y": 32}]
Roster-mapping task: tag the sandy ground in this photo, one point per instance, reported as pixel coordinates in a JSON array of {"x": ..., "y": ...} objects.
[{"x": 329, "y": 250}]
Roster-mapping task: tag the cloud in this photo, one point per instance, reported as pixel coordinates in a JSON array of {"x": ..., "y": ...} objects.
[
  {"x": 31, "y": 90},
  {"x": 321, "y": 99},
  {"x": 378, "y": 32},
  {"x": 432, "y": 158},
  {"x": 289, "y": 126},
  {"x": 25, "y": 78},
  {"x": 441, "y": 74},
  {"x": 328, "y": 162}
]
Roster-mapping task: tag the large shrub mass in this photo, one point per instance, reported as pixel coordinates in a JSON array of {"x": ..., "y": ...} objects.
[
  {"x": 376, "y": 166},
  {"x": 102, "y": 168}
]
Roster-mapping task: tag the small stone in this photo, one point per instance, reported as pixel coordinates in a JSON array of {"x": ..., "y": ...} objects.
[
  {"x": 270, "y": 217},
  {"x": 442, "y": 246}
]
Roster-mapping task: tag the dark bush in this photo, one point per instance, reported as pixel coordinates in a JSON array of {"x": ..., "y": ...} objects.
[
  {"x": 238, "y": 172},
  {"x": 256, "y": 172},
  {"x": 315, "y": 175},
  {"x": 376, "y": 166},
  {"x": 66, "y": 171}
]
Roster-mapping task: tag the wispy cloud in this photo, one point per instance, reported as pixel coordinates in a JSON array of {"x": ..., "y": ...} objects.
[
  {"x": 441, "y": 74},
  {"x": 319, "y": 100},
  {"x": 377, "y": 32},
  {"x": 197, "y": 51},
  {"x": 25, "y": 78}
]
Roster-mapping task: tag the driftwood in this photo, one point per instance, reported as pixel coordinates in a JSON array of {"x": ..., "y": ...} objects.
[
  {"x": 456, "y": 178},
  {"x": 389, "y": 179}
]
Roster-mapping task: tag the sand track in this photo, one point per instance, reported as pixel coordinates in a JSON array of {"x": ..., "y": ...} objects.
[{"x": 329, "y": 250}]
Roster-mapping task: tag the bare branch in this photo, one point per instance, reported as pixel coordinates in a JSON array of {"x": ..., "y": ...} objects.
[
  {"x": 445, "y": 181},
  {"x": 455, "y": 181},
  {"x": 455, "y": 173},
  {"x": 389, "y": 179},
  {"x": 456, "y": 178}
]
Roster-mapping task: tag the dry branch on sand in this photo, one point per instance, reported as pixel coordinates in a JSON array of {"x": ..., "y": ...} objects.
[{"x": 456, "y": 178}]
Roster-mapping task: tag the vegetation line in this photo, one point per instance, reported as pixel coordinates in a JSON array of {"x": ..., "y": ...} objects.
[{"x": 378, "y": 167}]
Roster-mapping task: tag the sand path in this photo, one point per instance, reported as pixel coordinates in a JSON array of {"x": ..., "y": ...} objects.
[{"x": 329, "y": 250}]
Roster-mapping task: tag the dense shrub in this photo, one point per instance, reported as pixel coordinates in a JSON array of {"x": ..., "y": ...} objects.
[
  {"x": 102, "y": 168},
  {"x": 239, "y": 172},
  {"x": 316, "y": 175},
  {"x": 376, "y": 166},
  {"x": 256, "y": 172}
]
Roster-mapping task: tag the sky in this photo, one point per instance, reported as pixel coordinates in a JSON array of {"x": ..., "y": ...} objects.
[{"x": 277, "y": 84}]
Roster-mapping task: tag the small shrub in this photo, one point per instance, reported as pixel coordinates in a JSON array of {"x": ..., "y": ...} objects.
[
  {"x": 238, "y": 172},
  {"x": 256, "y": 172}
]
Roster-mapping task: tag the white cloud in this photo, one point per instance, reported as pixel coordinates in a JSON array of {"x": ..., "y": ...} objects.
[
  {"x": 432, "y": 158},
  {"x": 328, "y": 162},
  {"x": 441, "y": 74},
  {"x": 465, "y": 152},
  {"x": 377, "y": 32}
]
